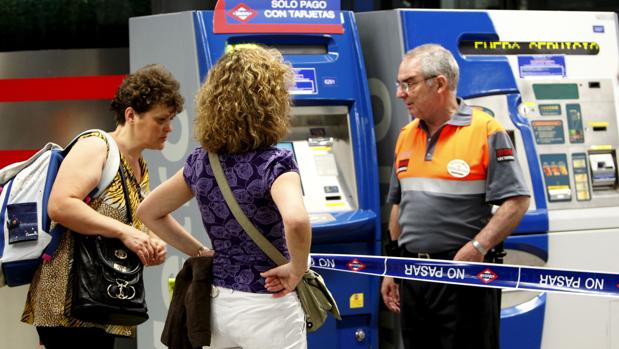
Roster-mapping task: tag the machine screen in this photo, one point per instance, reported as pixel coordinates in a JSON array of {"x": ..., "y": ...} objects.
[
  {"x": 289, "y": 146},
  {"x": 555, "y": 91}
]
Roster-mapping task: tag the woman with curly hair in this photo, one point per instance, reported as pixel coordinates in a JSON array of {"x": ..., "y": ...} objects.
[
  {"x": 242, "y": 112},
  {"x": 144, "y": 106}
]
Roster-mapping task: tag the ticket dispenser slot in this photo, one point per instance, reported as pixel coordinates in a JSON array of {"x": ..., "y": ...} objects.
[
  {"x": 320, "y": 138},
  {"x": 603, "y": 168}
]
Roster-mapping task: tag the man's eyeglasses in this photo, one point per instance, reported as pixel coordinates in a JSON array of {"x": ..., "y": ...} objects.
[{"x": 406, "y": 86}]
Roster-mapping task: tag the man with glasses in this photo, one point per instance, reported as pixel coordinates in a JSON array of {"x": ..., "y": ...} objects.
[{"x": 452, "y": 163}]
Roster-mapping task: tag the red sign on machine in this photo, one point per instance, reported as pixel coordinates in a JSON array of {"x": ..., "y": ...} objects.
[{"x": 277, "y": 16}]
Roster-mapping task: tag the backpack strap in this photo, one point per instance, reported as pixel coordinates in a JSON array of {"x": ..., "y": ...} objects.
[
  {"x": 112, "y": 164},
  {"x": 2, "y": 215}
]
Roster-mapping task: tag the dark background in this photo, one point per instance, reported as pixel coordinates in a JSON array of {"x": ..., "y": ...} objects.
[{"x": 72, "y": 24}]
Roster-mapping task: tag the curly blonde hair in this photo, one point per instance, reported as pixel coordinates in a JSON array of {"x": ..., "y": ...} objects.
[{"x": 244, "y": 104}]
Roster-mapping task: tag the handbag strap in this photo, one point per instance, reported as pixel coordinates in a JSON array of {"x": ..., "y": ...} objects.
[
  {"x": 113, "y": 149},
  {"x": 251, "y": 230},
  {"x": 123, "y": 181}
]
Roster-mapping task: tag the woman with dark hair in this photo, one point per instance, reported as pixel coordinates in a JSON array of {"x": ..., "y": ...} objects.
[
  {"x": 242, "y": 113},
  {"x": 144, "y": 106}
]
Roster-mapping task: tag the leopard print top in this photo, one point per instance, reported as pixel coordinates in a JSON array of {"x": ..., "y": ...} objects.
[{"x": 49, "y": 298}]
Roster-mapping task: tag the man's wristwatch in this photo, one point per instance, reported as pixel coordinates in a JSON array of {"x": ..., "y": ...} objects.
[{"x": 479, "y": 247}]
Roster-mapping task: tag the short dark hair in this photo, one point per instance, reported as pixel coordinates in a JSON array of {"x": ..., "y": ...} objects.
[{"x": 148, "y": 87}]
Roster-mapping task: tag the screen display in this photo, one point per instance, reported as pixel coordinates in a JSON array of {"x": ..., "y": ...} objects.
[
  {"x": 287, "y": 146},
  {"x": 555, "y": 91}
]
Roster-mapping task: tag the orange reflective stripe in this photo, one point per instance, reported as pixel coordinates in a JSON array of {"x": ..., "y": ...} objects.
[{"x": 461, "y": 152}]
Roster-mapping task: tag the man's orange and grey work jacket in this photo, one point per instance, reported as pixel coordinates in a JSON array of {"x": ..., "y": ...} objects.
[{"x": 446, "y": 184}]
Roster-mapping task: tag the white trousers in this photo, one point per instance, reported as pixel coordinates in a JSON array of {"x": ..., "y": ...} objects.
[{"x": 243, "y": 320}]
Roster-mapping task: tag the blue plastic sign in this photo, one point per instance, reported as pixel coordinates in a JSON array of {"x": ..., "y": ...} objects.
[
  {"x": 278, "y": 16},
  {"x": 553, "y": 65},
  {"x": 304, "y": 82}
]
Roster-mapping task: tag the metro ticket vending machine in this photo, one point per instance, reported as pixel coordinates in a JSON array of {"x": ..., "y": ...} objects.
[
  {"x": 550, "y": 78},
  {"x": 331, "y": 136}
]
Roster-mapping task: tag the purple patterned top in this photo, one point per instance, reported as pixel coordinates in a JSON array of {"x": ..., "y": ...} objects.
[{"x": 238, "y": 260}]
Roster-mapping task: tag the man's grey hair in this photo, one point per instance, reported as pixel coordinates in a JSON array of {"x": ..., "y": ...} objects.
[{"x": 436, "y": 60}]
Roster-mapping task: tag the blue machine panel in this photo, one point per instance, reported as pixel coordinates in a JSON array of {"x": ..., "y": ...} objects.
[{"x": 333, "y": 76}]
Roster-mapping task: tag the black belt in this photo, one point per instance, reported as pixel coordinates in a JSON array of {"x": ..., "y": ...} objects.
[
  {"x": 448, "y": 255},
  {"x": 492, "y": 256}
]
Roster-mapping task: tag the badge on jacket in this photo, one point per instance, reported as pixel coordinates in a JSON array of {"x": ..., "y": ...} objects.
[
  {"x": 458, "y": 168},
  {"x": 505, "y": 154}
]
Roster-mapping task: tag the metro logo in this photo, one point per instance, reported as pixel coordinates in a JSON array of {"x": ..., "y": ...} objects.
[
  {"x": 242, "y": 12},
  {"x": 487, "y": 276},
  {"x": 355, "y": 265}
]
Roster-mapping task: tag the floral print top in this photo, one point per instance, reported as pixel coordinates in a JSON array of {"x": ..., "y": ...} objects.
[{"x": 238, "y": 260}]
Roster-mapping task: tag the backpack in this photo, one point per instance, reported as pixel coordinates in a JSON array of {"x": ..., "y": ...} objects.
[{"x": 25, "y": 236}]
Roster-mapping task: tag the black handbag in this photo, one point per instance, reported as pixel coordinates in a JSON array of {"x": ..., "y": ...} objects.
[{"x": 108, "y": 284}]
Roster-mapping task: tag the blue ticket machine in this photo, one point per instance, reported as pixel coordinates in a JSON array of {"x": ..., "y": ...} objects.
[
  {"x": 331, "y": 135},
  {"x": 550, "y": 79}
]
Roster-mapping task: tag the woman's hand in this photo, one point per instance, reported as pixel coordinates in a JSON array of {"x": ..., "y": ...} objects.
[
  {"x": 160, "y": 251},
  {"x": 204, "y": 251},
  {"x": 140, "y": 243},
  {"x": 281, "y": 280}
]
